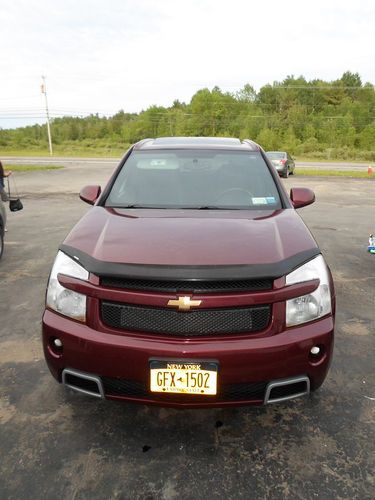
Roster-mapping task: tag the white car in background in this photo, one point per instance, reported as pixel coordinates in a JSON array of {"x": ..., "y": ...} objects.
[
  {"x": 3, "y": 220},
  {"x": 283, "y": 162}
]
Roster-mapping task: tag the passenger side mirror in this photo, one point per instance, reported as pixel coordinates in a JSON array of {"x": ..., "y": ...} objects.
[
  {"x": 90, "y": 194},
  {"x": 301, "y": 197}
]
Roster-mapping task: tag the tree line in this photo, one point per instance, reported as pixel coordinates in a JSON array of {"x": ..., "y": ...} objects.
[{"x": 313, "y": 118}]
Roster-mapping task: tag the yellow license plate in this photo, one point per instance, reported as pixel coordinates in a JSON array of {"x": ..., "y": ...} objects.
[{"x": 198, "y": 378}]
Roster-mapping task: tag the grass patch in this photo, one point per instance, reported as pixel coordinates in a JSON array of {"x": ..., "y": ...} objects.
[
  {"x": 29, "y": 168},
  {"x": 318, "y": 172},
  {"x": 74, "y": 151}
]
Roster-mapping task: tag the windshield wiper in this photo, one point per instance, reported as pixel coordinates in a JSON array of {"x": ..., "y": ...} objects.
[
  {"x": 202, "y": 207},
  {"x": 214, "y": 207},
  {"x": 134, "y": 205},
  {"x": 208, "y": 207}
]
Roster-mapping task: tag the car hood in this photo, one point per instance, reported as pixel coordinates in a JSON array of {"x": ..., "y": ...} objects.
[{"x": 190, "y": 237}]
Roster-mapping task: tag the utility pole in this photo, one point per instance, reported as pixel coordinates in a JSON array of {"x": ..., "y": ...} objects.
[{"x": 44, "y": 91}]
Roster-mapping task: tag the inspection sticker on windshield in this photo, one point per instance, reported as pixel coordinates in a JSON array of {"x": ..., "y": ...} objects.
[
  {"x": 269, "y": 200},
  {"x": 259, "y": 201}
]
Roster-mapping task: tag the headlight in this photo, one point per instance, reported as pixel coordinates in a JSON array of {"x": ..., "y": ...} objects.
[
  {"x": 316, "y": 304},
  {"x": 61, "y": 299}
]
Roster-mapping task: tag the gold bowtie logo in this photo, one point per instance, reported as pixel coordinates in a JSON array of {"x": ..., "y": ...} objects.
[{"x": 184, "y": 303}]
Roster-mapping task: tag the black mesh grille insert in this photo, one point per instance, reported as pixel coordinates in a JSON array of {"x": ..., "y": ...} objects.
[
  {"x": 231, "y": 392},
  {"x": 191, "y": 323},
  {"x": 188, "y": 286}
]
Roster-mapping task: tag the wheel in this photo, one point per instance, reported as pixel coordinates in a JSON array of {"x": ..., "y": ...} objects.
[
  {"x": 1, "y": 242},
  {"x": 286, "y": 173}
]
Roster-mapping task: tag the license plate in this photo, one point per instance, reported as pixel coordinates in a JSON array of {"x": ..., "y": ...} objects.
[{"x": 178, "y": 377}]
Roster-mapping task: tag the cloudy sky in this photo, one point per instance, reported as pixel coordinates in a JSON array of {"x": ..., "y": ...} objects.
[{"x": 129, "y": 54}]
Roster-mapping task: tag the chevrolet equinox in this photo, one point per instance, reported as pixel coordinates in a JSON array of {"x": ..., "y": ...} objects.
[{"x": 191, "y": 282}]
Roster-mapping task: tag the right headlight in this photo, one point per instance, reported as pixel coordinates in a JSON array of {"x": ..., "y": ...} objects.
[
  {"x": 59, "y": 298},
  {"x": 314, "y": 305}
]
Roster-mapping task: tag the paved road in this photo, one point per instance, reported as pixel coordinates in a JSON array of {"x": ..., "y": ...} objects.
[
  {"x": 56, "y": 444},
  {"x": 81, "y": 162}
]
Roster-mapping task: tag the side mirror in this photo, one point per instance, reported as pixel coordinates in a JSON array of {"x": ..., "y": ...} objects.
[
  {"x": 90, "y": 194},
  {"x": 301, "y": 197}
]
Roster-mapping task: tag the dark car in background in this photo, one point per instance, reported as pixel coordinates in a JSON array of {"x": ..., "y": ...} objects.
[
  {"x": 191, "y": 282},
  {"x": 283, "y": 162},
  {"x": 3, "y": 220}
]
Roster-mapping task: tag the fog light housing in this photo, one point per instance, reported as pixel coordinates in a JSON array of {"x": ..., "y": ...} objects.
[
  {"x": 55, "y": 346},
  {"x": 317, "y": 354}
]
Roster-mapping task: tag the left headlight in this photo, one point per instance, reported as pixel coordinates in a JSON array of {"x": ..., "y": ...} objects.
[
  {"x": 61, "y": 299},
  {"x": 314, "y": 305}
]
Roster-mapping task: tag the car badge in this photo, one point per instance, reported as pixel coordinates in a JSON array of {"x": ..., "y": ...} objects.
[{"x": 184, "y": 303}]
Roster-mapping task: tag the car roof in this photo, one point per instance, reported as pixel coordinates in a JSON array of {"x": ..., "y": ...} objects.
[{"x": 197, "y": 143}]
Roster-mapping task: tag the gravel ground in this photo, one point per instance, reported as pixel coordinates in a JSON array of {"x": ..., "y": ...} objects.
[{"x": 57, "y": 444}]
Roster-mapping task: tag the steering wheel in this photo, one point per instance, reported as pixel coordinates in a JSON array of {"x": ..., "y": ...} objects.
[{"x": 243, "y": 195}]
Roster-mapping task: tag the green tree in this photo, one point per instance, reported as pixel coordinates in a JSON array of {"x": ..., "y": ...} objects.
[{"x": 268, "y": 139}]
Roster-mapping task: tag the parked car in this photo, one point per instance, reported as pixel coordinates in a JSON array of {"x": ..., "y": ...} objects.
[
  {"x": 192, "y": 282},
  {"x": 3, "y": 220},
  {"x": 283, "y": 162}
]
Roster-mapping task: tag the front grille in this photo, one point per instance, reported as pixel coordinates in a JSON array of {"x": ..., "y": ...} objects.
[
  {"x": 188, "y": 286},
  {"x": 192, "y": 323},
  {"x": 251, "y": 391}
]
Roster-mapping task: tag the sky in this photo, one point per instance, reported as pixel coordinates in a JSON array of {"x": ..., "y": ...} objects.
[{"x": 100, "y": 57}]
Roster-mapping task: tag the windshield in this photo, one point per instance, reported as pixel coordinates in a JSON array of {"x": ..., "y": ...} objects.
[
  {"x": 275, "y": 155},
  {"x": 199, "y": 179}
]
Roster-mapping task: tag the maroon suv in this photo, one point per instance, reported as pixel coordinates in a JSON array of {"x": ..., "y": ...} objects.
[{"x": 192, "y": 282}]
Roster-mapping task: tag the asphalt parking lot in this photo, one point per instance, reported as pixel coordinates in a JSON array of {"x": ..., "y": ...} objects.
[{"x": 57, "y": 444}]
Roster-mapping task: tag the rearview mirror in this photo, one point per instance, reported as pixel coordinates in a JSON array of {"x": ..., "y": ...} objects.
[
  {"x": 301, "y": 197},
  {"x": 90, "y": 194}
]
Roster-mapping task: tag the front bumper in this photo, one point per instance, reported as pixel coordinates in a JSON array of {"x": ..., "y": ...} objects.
[{"x": 246, "y": 365}]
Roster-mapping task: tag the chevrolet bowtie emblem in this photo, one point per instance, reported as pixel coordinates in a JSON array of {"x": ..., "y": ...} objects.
[{"x": 184, "y": 303}]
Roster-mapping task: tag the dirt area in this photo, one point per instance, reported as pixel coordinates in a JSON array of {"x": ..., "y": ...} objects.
[{"x": 57, "y": 444}]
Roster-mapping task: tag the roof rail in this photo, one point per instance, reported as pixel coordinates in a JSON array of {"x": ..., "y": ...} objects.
[
  {"x": 139, "y": 144},
  {"x": 251, "y": 143}
]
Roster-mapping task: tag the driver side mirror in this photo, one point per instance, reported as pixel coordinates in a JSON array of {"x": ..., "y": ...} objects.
[
  {"x": 89, "y": 194},
  {"x": 301, "y": 197}
]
